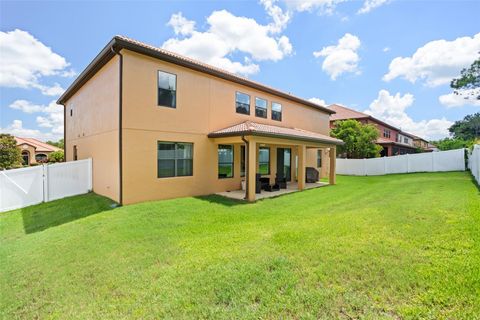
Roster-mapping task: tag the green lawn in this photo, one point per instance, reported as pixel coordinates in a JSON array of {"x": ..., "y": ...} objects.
[{"x": 393, "y": 247}]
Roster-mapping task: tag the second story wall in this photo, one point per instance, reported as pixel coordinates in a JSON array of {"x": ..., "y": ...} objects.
[{"x": 204, "y": 103}]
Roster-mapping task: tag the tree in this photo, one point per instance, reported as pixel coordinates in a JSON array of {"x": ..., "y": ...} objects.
[
  {"x": 360, "y": 140},
  {"x": 59, "y": 144},
  {"x": 469, "y": 82},
  {"x": 56, "y": 156},
  {"x": 10, "y": 156},
  {"x": 452, "y": 144},
  {"x": 468, "y": 128}
]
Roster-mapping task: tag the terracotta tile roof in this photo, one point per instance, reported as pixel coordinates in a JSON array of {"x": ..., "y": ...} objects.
[
  {"x": 343, "y": 113},
  {"x": 121, "y": 42},
  {"x": 37, "y": 144},
  {"x": 258, "y": 129}
]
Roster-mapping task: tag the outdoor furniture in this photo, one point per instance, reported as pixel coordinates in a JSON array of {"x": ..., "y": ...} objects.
[
  {"x": 312, "y": 175},
  {"x": 281, "y": 181},
  {"x": 258, "y": 184},
  {"x": 265, "y": 183}
]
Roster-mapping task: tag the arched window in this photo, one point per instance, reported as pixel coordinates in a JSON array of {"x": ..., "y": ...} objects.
[
  {"x": 40, "y": 157},
  {"x": 26, "y": 158}
]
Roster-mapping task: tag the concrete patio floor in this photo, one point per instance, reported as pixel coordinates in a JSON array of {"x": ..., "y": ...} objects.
[{"x": 291, "y": 187}]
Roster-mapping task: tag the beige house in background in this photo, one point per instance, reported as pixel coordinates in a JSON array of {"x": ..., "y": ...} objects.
[
  {"x": 33, "y": 150},
  {"x": 159, "y": 125}
]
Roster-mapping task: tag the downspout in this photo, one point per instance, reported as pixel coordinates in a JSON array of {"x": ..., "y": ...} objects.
[
  {"x": 246, "y": 166},
  {"x": 120, "y": 142}
]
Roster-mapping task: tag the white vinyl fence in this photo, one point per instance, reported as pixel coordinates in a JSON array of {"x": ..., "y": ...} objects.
[
  {"x": 27, "y": 186},
  {"x": 452, "y": 160},
  {"x": 474, "y": 162}
]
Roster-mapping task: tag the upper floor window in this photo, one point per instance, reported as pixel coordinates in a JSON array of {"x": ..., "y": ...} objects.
[
  {"x": 242, "y": 103},
  {"x": 175, "y": 159},
  {"x": 405, "y": 139},
  {"x": 260, "y": 108},
  {"x": 386, "y": 133},
  {"x": 167, "y": 89},
  {"x": 276, "y": 111}
]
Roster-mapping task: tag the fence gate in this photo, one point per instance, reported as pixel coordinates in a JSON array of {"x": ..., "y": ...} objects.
[{"x": 27, "y": 186}]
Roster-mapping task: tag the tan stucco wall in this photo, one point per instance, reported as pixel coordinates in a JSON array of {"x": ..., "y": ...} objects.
[
  {"x": 204, "y": 104},
  {"x": 94, "y": 125},
  {"x": 31, "y": 152}
]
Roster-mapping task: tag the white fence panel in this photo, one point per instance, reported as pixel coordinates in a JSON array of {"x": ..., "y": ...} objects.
[
  {"x": 421, "y": 162},
  {"x": 68, "y": 179},
  {"x": 27, "y": 186},
  {"x": 396, "y": 164},
  {"x": 354, "y": 167},
  {"x": 375, "y": 167},
  {"x": 453, "y": 160},
  {"x": 21, "y": 187},
  {"x": 474, "y": 162}
]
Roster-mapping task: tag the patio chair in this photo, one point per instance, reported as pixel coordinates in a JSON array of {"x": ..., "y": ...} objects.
[{"x": 281, "y": 181}]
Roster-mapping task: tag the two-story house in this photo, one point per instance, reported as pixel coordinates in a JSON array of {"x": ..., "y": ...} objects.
[
  {"x": 159, "y": 125},
  {"x": 393, "y": 140}
]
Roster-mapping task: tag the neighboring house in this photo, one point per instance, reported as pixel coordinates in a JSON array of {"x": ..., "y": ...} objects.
[
  {"x": 393, "y": 140},
  {"x": 422, "y": 144},
  {"x": 159, "y": 125},
  {"x": 34, "y": 151}
]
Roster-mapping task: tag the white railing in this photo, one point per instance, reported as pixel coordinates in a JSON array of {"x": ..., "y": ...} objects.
[
  {"x": 452, "y": 160},
  {"x": 474, "y": 162},
  {"x": 27, "y": 186}
]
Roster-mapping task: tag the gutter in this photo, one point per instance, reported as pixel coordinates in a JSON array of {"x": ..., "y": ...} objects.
[
  {"x": 120, "y": 141},
  {"x": 246, "y": 165}
]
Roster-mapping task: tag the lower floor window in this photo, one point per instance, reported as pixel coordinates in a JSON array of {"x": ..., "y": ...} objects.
[
  {"x": 174, "y": 159},
  {"x": 242, "y": 161},
  {"x": 225, "y": 161},
  {"x": 319, "y": 158},
  {"x": 264, "y": 160}
]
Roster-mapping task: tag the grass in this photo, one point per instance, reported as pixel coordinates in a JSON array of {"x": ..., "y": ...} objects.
[{"x": 390, "y": 247}]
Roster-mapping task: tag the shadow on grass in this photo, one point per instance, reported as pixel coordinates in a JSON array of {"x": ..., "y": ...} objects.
[
  {"x": 224, "y": 201},
  {"x": 474, "y": 181},
  {"x": 50, "y": 214}
]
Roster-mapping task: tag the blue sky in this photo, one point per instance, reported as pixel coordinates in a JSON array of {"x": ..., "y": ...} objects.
[{"x": 392, "y": 59}]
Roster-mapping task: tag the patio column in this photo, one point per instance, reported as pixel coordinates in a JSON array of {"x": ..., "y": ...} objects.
[
  {"x": 302, "y": 156},
  {"x": 333, "y": 161},
  {"x": 252, "y": 169}
]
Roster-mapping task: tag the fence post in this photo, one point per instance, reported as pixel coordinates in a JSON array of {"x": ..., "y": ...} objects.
[
  {"x": 45, "y": 182},
  {"x": 433, "y": 161},
  {"x": 90, "y": 171},
  {"x": 408, "y": 163},
  {"x": 364, "y": 166},
  {"x": 384, "y": 165}
]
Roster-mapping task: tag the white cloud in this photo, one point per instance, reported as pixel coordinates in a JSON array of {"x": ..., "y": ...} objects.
[
  {"x": 181, "y": 25},
  {"x": 279, "y": 17},
  {"x": 437, "y": 62},
  {"x": 369, "y": 5},
  {"x": 228, "y": 34},
  {"x": 392, "y": 109},
  {"x": 386, "y": 49},
  {"x": 453, "y": 100},
  {"x": 16, "y": 128},
  {"x": 341, "y": 58},
  {"x": 328, "y": 7},
  {"x": 52, "y": 116},
  {"x": 24, "y": 60},
  {"x": 323, "y": 6},
  {"x": 318, "y": 101}
]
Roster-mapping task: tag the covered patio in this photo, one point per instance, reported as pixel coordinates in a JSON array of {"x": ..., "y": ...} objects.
[{"x": 289, "y": 152}]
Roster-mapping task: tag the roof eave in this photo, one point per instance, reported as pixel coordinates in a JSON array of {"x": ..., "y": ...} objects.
[
  {"x": 272, "y": 135},
  {"x": 118, "y": 43}
]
